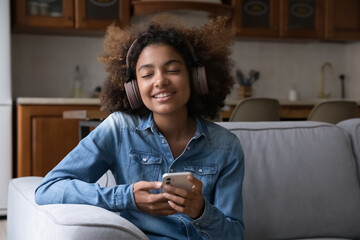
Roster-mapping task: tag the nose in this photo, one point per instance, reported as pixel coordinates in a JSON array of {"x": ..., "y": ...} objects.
[{"x": 161, "y": 80}]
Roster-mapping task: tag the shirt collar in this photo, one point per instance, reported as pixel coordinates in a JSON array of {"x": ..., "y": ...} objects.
[{"x": 147, "y": 122}]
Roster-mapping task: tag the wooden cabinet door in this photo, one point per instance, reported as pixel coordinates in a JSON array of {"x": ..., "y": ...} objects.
[
  {"x": 302, "y": 19},
  {"x": 97, "y": 15},
  {"x": 52, "y": 14},
  {"x": 44, "y": 137},
  {"x": 52, "y": 139},
  {"x": 342, "y": 20},
  {"x": 256, "y": 18}
]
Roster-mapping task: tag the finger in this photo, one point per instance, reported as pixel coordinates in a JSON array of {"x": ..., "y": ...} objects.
[
  {"x": 176, "y": 199},
  {"x": 161, "y": 206},
  {"x": 176, "y": 191},
  {"x": 155, "y": 198},
  {"x": 197, "y": 184},
  {"x": 176, "y": 207},
  {"x": 145, "y": 186}
]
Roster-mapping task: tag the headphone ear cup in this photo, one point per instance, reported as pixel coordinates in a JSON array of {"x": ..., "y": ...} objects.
[
  {"x": 200, "y": 81},
  {"x": 133, "y": 94}
]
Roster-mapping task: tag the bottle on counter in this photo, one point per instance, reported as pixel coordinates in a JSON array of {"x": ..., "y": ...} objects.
[
  {"x": 293, "y": 95},
  {"x": 77, "y": 90}
]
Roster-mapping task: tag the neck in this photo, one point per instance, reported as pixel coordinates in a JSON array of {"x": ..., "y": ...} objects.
[{"x": 175, "y": 126}]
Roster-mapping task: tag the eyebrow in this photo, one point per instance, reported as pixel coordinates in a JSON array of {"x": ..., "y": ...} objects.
[{"x": 166, "y": 64}]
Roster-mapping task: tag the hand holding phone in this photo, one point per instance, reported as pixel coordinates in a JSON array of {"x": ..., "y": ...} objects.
[
  {"x": 190, "y": 202},
  {"x": 178, "y": 179},
  {"x": 151, "y": 203}
]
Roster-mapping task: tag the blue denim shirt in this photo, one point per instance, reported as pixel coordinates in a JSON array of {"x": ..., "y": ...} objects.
[{"x": 134, "y": 150}]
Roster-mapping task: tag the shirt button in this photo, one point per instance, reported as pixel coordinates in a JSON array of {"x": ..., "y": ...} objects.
[
  {"x": 200, "y": 170},
  {"x": 144, "y": 159},
  {"x": 163, "y": 140},
  {"x": 171, "y": 170},
  {"x": 188, "y": 148}
]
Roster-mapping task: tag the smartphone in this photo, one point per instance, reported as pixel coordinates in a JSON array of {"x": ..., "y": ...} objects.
[{"x": 178, "y": 179}]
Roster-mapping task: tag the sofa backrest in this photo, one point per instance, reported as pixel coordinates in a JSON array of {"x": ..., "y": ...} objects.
[{"x": 300, "y": 180}]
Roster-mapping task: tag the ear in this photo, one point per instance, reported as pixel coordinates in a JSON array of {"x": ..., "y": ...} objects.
[
  {"x": 200, "y": 81},
  {"x": 133, "y": 94}
]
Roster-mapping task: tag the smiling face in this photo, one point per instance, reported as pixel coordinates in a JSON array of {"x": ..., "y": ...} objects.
[{"x": 163, "y": 80}]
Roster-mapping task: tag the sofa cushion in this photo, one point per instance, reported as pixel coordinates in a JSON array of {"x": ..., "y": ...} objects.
[{"x": 300, "y": 180}]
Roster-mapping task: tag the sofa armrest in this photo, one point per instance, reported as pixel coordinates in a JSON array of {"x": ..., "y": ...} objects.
[
  {"x": 352, "y": 127},
  {"x": 27, "y": 220}
]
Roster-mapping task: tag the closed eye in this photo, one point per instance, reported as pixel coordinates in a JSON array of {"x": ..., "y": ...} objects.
[{"x": 147, "y": 75}]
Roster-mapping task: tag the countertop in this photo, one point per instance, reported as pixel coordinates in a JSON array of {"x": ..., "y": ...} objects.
[
  {"x": 96, "y": 101},
  {"x": 57, "y": 101},
  {"x": 285, "y": 102}
]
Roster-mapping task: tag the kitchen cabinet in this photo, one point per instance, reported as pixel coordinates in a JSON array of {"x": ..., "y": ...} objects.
[
  {"x": 44, "y": 137},
  {"x": 342, "y": 20},
  {"x": 151, "y": 7},
  {"x": 279, "y": 18},
  {"x": 286, "y": 19},
  {"x": 256, "y": 18},
  {"x": 302, "y": 19},
  {"x": 96, "y": 14},
  {"x": 71, "y": 14}
]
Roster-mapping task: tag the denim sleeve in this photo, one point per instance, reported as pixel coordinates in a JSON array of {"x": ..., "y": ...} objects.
[
  {"x": 223, "y": 219},
  {"x": 73, "y": 180}
]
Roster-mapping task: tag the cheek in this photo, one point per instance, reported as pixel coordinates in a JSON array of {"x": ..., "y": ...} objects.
[{"x": 143, "y": 87}]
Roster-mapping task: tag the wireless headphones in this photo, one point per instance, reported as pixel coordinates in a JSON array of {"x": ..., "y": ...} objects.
[{"x": 132, "y": 89}]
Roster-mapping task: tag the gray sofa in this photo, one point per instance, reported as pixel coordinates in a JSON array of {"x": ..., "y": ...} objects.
[{"x": 301, "y": 182}]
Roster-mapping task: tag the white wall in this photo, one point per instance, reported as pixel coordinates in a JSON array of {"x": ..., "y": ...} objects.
[
  {"x": 43, "y": 66},
  {"x": 283, "y": 65},
  {"x": 352, "y": 68}
]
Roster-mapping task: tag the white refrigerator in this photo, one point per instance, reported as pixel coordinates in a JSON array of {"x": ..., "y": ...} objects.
[{"x": 5, "y": 105}]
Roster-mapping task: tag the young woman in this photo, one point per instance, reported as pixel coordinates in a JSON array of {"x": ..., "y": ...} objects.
[{"x": 163, "y": 79}]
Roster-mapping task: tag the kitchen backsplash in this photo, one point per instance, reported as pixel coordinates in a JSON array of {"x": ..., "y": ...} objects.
[{"x": 44, "y": 66}]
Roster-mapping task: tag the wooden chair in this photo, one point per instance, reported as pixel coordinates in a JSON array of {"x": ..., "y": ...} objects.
[
  {"x": 256, "y": 109},
  {"x": 333, "y": 111}
]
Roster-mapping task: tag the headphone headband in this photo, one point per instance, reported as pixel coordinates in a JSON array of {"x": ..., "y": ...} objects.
[{"x": 128, "y": 70}]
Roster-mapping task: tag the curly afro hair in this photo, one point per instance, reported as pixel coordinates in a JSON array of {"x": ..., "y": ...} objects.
[{"x": 211, "y": 43}]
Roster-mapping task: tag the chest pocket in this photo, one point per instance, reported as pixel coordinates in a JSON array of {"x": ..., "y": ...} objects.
[
  {"x": 206, "y": 173},
  {"x": 143, "y": 167}
]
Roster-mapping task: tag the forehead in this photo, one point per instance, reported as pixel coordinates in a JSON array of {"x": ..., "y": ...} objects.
[{"x": 157, "y": 53}]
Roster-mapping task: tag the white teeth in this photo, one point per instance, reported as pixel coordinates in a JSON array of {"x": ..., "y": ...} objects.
[{"x": 161, "y": 95}]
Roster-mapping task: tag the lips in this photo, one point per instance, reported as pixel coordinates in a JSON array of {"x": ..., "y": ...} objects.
[{"x": 163, "y": 95}]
